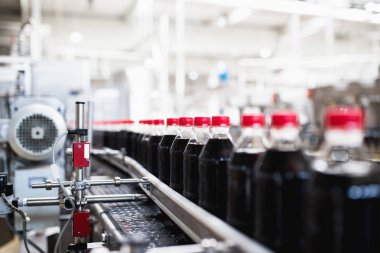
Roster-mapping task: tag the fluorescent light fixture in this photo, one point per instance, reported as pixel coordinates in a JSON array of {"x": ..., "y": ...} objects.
[
  {"x": 265, "y": 52},
  {"x": 76, "y": 37},
  {"x": 238, "y": 15},
  {"x": 221, "y": 22}
]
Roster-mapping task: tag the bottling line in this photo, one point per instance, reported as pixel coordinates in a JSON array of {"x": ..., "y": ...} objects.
[{"x": 114, "y": 205}]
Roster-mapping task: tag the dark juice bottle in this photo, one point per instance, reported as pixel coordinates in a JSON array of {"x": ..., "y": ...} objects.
[
  {"x": 130, "y": 148},
  {"x": 144, "y": 144},
  {"x": 241, "y": 191},
  {"x": 164, "y": 150},
  {"x": 190, "y": 157},
  {"x": 281, "y": 179},
  {"x": 98, "y": 135},
  {"x": 176, "y": 153},
  {"x": 124, "y": 142},
  {"x": 344, "y": 195},
  {"x": 213, "y": 162},
  {"x": 107, "y": 135},
  {"x": 121, "y": 137},
  {"x": 113, "y": 135},
  {"x": 154, "y": 141},
  {"x": 138, "y": 147}
]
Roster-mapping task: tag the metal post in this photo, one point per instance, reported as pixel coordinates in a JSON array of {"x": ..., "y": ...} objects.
[
  {"x": 79, "y": 173},
  {"x": 90, "y": 119}
]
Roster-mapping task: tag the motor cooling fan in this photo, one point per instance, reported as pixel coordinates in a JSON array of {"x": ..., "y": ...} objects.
[{"x": 33, "y": 131}]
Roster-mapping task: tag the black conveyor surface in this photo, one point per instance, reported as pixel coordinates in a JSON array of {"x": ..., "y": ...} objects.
[{"x": 141, "y": 218}]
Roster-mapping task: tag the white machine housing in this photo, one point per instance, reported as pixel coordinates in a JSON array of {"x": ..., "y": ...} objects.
[{"x": 35, "y": 124}]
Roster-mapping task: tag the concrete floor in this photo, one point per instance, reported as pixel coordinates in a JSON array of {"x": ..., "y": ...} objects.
[{"x": 17, "y": 246}]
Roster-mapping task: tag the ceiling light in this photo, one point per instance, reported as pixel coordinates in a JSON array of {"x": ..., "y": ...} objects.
[
  {"x": 265, "y": 52},
  {"x": 221, "y": 22},
  {"x": 238, "y": 15},
  {"x": 76, "y": 37}
]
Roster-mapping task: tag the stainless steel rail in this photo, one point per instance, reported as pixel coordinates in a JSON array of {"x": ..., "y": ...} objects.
[
  {"x": 192, "y": 219},
  {"x": 89, "y": 199},
  {"x": 116, "y": 182}
]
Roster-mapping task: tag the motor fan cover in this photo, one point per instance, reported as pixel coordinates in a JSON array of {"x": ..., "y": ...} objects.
[{"x": 33, "y": 131}]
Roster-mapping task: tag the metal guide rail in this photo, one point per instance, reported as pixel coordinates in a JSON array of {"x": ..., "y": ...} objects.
[{"x": 197, "y": 223}]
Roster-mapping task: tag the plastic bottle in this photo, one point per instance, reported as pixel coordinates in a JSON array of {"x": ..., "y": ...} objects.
[
  {"x": 213, "y": 162},
  {"x": 154, "y": 140},
  {"x": 281, "y": 178},
  {"x": 142, "y": 131},
  {"x": 122, "y": 135},
  {"x": 98, "y": 134},
  {"x": 241, "y": 192},
  {"x": 176, "y": 153},
  {"x": 164, "y": 149},
  {"x": 344, "y": 192},
  {"x": 131, "y": 135},
  {"x": 113, "y": 134},
  {"x": 145, "y": 143},
  {"x": 190, "y": 157}
]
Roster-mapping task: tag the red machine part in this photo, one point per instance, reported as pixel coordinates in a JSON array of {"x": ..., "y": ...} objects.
[
  {"x": 81, "y": 154},
  {"x": 81, "y": 223}
]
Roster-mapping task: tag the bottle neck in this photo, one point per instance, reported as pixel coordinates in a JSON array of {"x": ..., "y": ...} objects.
[
  {"x": 171, "y": 130},
  {"x": 185, "y": 132},
  {"x": 343, "y": 145},
  {"x": 201, "y": 134},
  {"x": 251, "y": 140},
  {"x": 286, "y": 138},
  {"x": 220, "y": 133}
]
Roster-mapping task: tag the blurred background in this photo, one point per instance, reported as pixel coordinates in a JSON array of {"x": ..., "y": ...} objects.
[{"x": 146, "y": 58}]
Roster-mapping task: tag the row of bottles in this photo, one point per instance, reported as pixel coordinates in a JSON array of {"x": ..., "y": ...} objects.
[{"x": 271, "y": 190}]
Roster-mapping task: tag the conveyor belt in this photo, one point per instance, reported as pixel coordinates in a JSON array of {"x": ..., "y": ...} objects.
[{"x": 141, "y": 218}]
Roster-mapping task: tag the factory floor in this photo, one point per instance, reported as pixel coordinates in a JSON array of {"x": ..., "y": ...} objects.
[
  {"x": 11, "y": 246},
  {"x": 17, "y": 246}
]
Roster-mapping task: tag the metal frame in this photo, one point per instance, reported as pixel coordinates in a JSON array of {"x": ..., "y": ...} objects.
[{"x": 192, "y": 219}]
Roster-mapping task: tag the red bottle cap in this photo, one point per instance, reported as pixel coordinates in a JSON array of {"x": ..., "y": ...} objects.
[
  {"x": 172, "y": 121},
  {"x": 251, "y": 120},
  {"x": 141, "y": 121},
  {"x": 126, "y": 121},
  {"x": 223, "y": 121},
  {"x": 158, "y": 122},
  {"x": 341, "y": 117},
  {"x": 202, "y": 121},
  {"x": 115, "y": 122},
  {"x": 284, "y": 119},
  {"x": 186, "y": 121},
  {"x": 149, "y": 122}
]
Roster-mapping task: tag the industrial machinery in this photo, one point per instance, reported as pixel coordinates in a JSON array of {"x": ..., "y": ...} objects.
[
  {"x": 75, "y": 200},
  {"x": 34, "y": 124}
]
